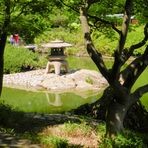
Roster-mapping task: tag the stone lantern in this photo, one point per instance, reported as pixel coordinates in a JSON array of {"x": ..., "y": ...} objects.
[{"x": 56, "y": 57}]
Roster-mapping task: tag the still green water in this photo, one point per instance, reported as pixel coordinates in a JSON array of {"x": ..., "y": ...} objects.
[{"x": 45, "y": 102}]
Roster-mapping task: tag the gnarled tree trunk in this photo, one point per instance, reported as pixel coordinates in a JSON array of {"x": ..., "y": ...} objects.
[{"x": 121, "y": 98}]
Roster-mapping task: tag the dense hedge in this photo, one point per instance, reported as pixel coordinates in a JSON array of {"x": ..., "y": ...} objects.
[{"x": 17, "y": 59}]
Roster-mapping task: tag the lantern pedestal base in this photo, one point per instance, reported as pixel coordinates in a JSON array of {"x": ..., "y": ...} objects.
[{"x": 57, "y": 66}]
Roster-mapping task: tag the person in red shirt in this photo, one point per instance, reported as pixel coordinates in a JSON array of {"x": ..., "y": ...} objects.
[{"x": 16, "y": 39}]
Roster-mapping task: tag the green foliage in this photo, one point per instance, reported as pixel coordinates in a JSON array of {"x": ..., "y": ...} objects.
[
  {"x": 18, "y": 59},
  {"x": 58, "y": 19},
  {"x": 113, "y": 7},
  {"x": 140, "y": 10},
  {"x": 128, "y": 140},
  {"x": 105, "y": 40},
  {"x": 73, "y": 36},
  {"x": 106, "y": 44},
  {"x": 54, "y": 142},
  {"x": 62, "y": 34},
  {"x": 29, "y": 27},
  {"x": 136, "y": 35},
  {"x": 28, "y": 18}
]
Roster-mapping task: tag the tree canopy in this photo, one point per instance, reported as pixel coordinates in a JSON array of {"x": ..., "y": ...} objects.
[{"x": 26, "y": 17}]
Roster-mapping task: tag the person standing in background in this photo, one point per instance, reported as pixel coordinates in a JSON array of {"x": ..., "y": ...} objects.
[
  {"x": 16, "y": 39},
  {"x": 11, "y": 39}
]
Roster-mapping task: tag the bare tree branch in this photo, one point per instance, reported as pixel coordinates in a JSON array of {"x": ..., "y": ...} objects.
[
  {"x": 96, "y": 57},
  {"x": 119, "y": 50},
  {"x": 72, "y": 8},
  {"x": 133, "y": 71},
  {"x": 140, "y": 44},
  {"x": 105, "y": 22},
  {"x": 127, "y": 53},
  {"x": 139, "y": 92}
]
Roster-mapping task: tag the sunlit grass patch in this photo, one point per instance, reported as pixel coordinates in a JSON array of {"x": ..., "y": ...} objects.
[
  {"x": 76, "y": 134},
  {"x": 54, "y": 141}
]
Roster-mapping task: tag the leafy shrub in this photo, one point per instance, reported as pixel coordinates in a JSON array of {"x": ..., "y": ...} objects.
[
  {"x": 127, "y": 140},
  {"x": 17, "y": 59}
]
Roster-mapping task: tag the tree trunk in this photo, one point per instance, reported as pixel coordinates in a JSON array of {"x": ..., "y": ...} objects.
[
  {"x": 115, "y": 117},
  {"x": 115, "y": 106},
  {"x": 3, "y": 39}
]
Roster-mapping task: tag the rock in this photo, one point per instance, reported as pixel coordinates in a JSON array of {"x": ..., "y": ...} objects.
[
  {"x": 37, "y": 79},
  {"x": 58, "y": 83}
]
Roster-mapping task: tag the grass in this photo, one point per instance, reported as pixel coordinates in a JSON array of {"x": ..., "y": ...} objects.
[
  {"x": 85, "y": 135},
  {"x": 79, "y": 134}
]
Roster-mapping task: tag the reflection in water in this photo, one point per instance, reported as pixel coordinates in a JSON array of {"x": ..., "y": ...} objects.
[
  {"x": 46, "y": 102},
  {"x": 57, "y": 99}
]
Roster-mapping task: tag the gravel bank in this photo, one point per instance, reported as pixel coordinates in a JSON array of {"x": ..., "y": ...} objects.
[{"x": 37, "y": 79}]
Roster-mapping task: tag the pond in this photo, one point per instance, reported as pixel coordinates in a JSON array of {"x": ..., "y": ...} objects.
[
  {"x": 55, "y": 102},
  {"x": 45, "y": 102}
]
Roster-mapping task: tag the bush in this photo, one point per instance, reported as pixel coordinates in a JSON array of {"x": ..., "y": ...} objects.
[
  {"x": 17, "y": 59},
  {"x": 127, "y": 140}
]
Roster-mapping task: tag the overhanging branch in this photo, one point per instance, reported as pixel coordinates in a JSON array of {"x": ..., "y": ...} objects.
[
  {"x": 119, "y": 50},
  {"x": 139, "y": 92},
  {"x": 97, "y": 19},
  {"x": 134, "y": 70},
  {"x": 72, "y": 8},
  {"x": 23, "y": 9},
  {"x": 140, "y": 44},
  {"x": 94, "y": 54}
]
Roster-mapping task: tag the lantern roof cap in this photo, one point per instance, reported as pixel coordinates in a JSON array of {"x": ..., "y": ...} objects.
[{"x": 56, "y": 44}]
